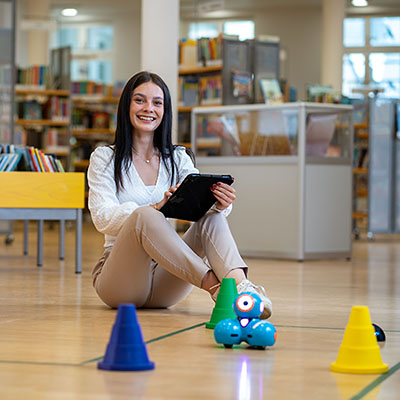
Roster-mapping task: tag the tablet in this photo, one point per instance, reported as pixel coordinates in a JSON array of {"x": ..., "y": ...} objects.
[{"x": 194, "y": 197}]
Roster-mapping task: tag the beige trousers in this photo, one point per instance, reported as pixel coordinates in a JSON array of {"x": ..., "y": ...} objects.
[{"x": 151, "y": 266}]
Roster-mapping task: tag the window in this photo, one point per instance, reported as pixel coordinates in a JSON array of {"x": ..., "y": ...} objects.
[
  {"x": 371, "y": 55},
  {"x": 92, "y": 70},
  {"x": 100, "y": 38},
  {"x": 385, "y": 31},
  {"x": 91, "y": 51},
  {"x": 354, "y": 32},
  {"x": 353, "y": 72},
  {"x": 68, "y": 37},
  {"x": 198, "y": 30},
  {"x": 385, "y": 72},
  {"x": 243, "y": 29}
]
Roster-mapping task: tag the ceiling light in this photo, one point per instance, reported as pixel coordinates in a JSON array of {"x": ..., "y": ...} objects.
[
  {"x": 69, "y": 12},
  {"x": 359, "y": 3}
]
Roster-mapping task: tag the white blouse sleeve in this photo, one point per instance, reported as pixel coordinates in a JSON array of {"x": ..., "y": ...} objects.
[
  {"x": 107, "y": 212},
  {"x": 184, "y": 163}
]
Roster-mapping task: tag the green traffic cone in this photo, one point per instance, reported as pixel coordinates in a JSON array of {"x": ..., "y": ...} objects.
[{"x": 223, "y": 306}]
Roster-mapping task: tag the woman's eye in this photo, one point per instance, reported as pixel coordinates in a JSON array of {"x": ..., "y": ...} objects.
[
  {"x": 138, "y": 100},
  {"x": 158, "y": 103}
]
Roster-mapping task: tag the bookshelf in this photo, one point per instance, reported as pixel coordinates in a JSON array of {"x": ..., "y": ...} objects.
[
  {"x": 42, "y": 119},
  {"x": 376, "y": 178},
  {"x": 93, "y": 122},
  {"x": 222, "y": 71},
  {"x": 94, "y": 112},
  {"x": 360, "y": 167}
]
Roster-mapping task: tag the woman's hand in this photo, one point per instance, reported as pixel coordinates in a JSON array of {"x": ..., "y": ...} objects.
[
  {"x": 167, "y": 195},
  {"x": 225, "y": 195}
]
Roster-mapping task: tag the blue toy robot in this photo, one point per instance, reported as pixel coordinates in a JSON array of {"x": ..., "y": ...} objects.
[{"x": 247, "y": 327}]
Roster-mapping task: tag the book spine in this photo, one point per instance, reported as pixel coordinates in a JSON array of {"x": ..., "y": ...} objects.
[
  {"x": 44, "y": 162},
  {"x": 48, "y": 162},
  {"x": 41, "y": 168},
  {"x": 59, "y": 165}
]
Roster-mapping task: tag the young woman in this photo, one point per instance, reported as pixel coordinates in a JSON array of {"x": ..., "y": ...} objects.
[{"x": 145, "y": 261}]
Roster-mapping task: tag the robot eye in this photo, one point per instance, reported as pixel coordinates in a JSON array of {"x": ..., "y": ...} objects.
[{"x": 245, "y": 302}]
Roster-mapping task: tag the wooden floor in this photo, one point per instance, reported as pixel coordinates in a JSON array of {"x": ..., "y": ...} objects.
[{"x": 54, "y": 330}]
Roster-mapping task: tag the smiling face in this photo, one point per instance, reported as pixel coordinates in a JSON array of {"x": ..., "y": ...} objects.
[{"x": 147, "y": 107}]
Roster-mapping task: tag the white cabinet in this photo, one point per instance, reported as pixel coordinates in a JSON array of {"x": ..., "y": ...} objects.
[{"x": 292, "y": 165}]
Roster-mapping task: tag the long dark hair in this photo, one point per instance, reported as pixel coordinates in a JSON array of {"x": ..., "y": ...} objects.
[{"x": 123, "y": 141}]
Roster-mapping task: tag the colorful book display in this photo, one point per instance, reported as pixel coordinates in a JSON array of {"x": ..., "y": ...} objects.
[
  {"x": 204, "y": 51},
  {"x": 205, "y": 90},
  {"x": 28, "y": 158},
  {"x": 35, "y": 75}
]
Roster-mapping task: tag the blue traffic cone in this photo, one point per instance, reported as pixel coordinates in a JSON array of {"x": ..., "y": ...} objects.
[{"x": 126, "y": 350}]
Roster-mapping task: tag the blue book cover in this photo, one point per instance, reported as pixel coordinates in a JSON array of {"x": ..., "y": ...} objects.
[
  {"x": 5, "y": 158},
  {"x": 14, "y": 160},
  {"x": 28, "y": 157}
]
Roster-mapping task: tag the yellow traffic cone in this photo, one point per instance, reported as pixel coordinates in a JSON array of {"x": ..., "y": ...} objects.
[{"x": 359, "y": 352}]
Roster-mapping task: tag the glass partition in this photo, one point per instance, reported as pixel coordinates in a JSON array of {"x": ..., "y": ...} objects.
[
  {"x": 255, "y": 130},
  {"x": 328, "y": 135},
  {"x": 247, "y": 133}
]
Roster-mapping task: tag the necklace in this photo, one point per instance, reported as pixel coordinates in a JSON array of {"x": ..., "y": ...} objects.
[{"x": 147, "y": 161}]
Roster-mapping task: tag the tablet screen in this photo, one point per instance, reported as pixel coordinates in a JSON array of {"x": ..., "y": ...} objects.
[{"x": 194, "y": 197}]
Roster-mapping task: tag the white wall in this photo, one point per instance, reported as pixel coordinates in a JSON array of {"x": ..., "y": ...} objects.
[
  {"x": 127, "y": 39},
  {"x": 299, "y": 30},
  {"x": 21, "y": 37}
]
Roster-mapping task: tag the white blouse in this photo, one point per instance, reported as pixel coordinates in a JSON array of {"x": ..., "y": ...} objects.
[{"x": 110, "y": 209}]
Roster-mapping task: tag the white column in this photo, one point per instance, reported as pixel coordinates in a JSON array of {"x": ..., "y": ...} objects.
[
  {"x": 333, "y": 13},
  {"x": 38, "y": 39},
  {"x": 159, "y": 44}
]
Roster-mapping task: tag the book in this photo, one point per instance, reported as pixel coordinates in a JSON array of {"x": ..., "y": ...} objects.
[
  {"x": 13, "y": 162},
  {"x": 53, "y": 159},
  {"x": 100, "y": 120},
  {"x": 242, "y": 84},
  {"x": 319, "y": 93},
  {"x": 188, "y": 53},
  {"x": 59, "y": 165},
  {"x": 24, "y": 165},
  {"x": 44, "y": 162},
  {"x": 41, "y": 167},
  {"x": 4, "y": 158},
  {"x": 190, "y": 91},
  {"x": 211, "y": 90},
  {"x": 48, "y": 162},
  {"x": 35, "y": 162},
  {"x": 271, "y": 91},
  {"x": 319, "y": 133},
  {"x": 28, "y": 158},
  {"x": 32, "y": 110}
]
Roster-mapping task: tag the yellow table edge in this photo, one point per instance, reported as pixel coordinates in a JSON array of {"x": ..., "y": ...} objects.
[{"x": 42, "y": 190}]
